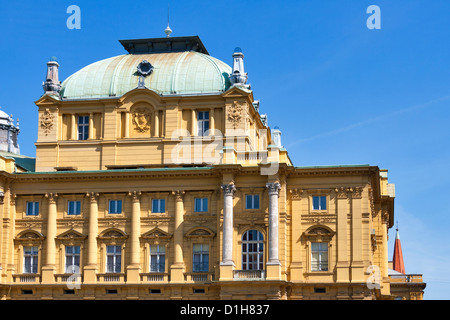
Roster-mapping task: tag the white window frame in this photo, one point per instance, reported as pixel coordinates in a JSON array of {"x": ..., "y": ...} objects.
[
  {"x": 83, "y": 127},
  {"x": 202, "y": 204},
  {"x": 257, "y": 256},
  {"x": 320, "y": 203},
  {"x": 321, "y": 253},
  {"x": 77, "y": 207},
  {"x": 115, "y": 206},
  {"x": 71, "y": 257},
  {"x": 160, "y": 256},
  {"x": 253, "y": 204},
  {"x": 157, "y": 208},
  {"x": 116, "y": 256},
  {"x": 202, "y": 122},
  {"x": 34, "y": 208},
  {"x": 200, "y": 250},
  {"x": 33, "y": 256}
]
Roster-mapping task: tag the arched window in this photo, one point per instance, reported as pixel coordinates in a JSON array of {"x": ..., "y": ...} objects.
[{"x": 252, "y": 250}]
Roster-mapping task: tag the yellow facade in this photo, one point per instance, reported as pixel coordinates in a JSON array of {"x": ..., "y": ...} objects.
[{"x": 152, "y": 210}]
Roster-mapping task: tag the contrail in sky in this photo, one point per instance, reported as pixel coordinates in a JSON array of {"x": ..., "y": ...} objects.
[{"x": 365, "y": 122}]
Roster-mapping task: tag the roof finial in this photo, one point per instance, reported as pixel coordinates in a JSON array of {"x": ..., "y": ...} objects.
[{"x": 168, "y": 31}]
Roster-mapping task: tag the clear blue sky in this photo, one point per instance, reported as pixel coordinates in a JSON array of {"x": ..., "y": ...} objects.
[{"x": 340, "y": 93}]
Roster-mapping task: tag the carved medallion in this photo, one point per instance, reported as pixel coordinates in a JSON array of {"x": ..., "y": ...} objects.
[
  {"x": 141, "y": 120},
  {"x": 235, "y": 114},
  {"x": 47, "y": 121}
]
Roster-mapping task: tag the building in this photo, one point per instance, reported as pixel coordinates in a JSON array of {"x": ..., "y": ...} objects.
[
  {"x": 157, "y": 176},
  {"x": 404, "y": 286}
]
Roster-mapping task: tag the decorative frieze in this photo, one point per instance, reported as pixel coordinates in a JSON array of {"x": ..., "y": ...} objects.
[
  {"x": 235, "y": 114},
  {"x": 47, "y": 121}
]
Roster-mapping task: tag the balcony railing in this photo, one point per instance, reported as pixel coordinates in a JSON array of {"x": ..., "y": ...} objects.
[
  {"x": 198, "y": 276},
  {"x": 111, "y": 277},
  {"x": 154, "y": 277},
  {"x": 68, "y": 277},
  {"x": 252, "y": 156},
  {"x": 249, "y": 274},
  {"x": 27, "y": 278},
  {"x": 404, "y": 278}
]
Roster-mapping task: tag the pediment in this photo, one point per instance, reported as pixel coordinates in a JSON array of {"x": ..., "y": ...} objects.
[
  {"x": 71, "y": 235},
  {"x": 30, "y": 235},
  {"x": 156, "y": 233},
  {"x": 112, "y": 233},
  {"x": 200, "y": 232}
]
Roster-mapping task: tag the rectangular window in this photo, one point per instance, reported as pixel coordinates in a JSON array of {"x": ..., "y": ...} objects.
[
  {"x": 252, "y": 201},
  {"x": 319, "y": 256},
  {"x": 319, "y": 203},
  {"x": 201, "y": 204},
  {"x": 157, "y": 258},
  {"x": 202, "y": 122},
  {"x": 158, "y": 205},
  {"x": 74, "y": 208},
  {"x": 113, "y": 259},
  {"x": 200, "y": 258},
  {"x": 83, "y": 127},
  {"x": 115, "y": 206},
  {"x": 73, "y": 259},
  {"x": 30, "y": 259},
  {"x": 32, "y": 208}
]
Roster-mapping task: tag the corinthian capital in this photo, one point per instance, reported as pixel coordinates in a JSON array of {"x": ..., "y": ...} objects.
[
  {"x": 51, "y": 197},
  {"x": 179, "y": 195},
  {"x": 228, "y": 189},
  {"x": 135, "y": 195},
  {"x": 274, "y": 188},
  {"x": 92, "y": 196}
]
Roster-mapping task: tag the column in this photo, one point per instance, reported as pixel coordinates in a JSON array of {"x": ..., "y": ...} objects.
[
  {"x": 212, "y": 122},
  {"x": 90, "y": 269},
  {"x": 227, "y": 263},
  {"x": 156, "y": 129},
  {"x": 273, "y": 265},
  {"x": 91, "y": 126},
  {"x": 126, "y": 127},
  {"x": 133, "y": 269},
  {"x": 177, "y": 268},
  {"x": 73, "y": 127},
  {"x": 193, "y": 123},
  {"x": 49, "y": 268}
]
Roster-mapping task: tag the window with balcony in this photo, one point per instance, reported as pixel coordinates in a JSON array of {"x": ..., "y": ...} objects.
[
  {"x": 200, "y": 258},
  {"x": 113, "y": 259},
  {"x": 157, "y": 258},
  {"x": 319, "y": 256},
  {"x": 30, "y": 259},
  {"x": 72, "y": 259},
  {"x": 252, "y": 250}
]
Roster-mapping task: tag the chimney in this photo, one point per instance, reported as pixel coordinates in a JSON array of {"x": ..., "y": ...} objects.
[{"x": 52, "y": 83}]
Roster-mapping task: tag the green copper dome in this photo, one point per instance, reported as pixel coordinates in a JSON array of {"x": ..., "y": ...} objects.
[{"x": 187, "y": 72}]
